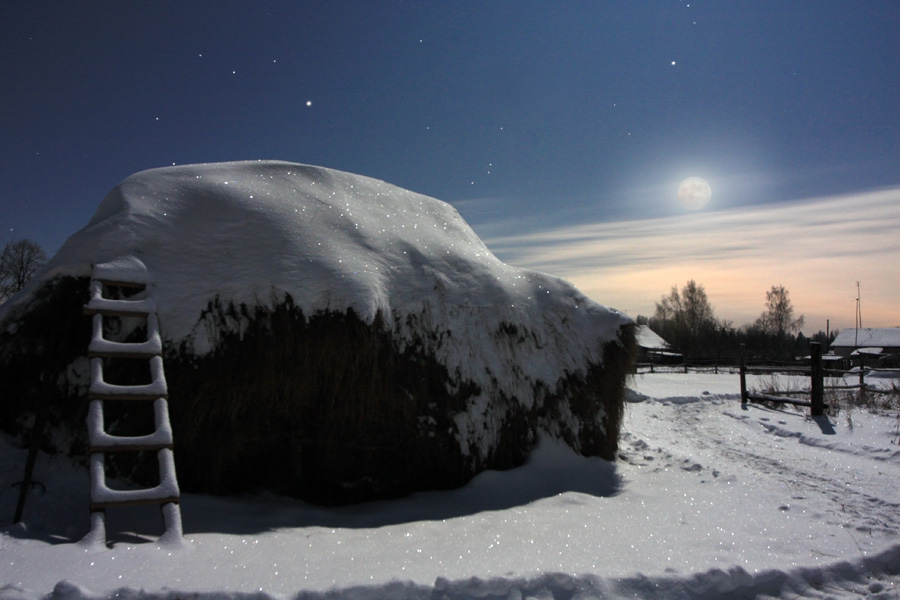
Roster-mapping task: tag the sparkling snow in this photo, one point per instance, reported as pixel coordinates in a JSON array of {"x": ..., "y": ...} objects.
[
  {"x": 250, "y": 232},
  {"x": 708, "y": 500}
]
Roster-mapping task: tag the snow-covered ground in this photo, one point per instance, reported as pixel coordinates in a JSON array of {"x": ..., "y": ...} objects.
[{"x": 708, "y": 500}]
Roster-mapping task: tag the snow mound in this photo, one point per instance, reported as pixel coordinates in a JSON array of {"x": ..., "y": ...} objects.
[
  {"x": 250, "y": 232},
  {"x": 306, "y": 313}
]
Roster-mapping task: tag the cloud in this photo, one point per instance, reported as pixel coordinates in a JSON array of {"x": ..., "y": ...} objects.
[{"x": 817, "y": 248}]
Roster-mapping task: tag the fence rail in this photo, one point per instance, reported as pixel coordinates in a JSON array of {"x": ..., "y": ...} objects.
[{"x": 714, "y": 366}]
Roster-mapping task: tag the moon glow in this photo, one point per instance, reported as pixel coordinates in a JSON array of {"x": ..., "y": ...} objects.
[{"x": 694, "y": 193}]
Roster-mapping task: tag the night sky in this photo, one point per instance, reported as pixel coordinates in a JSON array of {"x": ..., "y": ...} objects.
[{"x": 532, "y": 118}]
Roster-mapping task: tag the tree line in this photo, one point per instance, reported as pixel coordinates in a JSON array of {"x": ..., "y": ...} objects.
[{"x": 687, "y": 321}]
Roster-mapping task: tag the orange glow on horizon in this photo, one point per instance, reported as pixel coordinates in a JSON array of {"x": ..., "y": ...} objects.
[{"x": 818, "y": 249}]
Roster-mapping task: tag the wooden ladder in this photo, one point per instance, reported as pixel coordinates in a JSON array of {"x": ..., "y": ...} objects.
[{"x": 131, "y": 275}]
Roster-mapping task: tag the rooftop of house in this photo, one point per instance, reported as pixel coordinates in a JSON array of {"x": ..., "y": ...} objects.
[
  {"x": 649, "y": 339},
  {"x": 872, "y": 337}
]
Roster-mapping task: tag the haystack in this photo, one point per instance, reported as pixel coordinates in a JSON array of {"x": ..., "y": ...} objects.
[{"x": 326, "y": 335}]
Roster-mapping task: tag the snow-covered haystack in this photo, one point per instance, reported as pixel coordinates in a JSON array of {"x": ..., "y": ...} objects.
[{"x": 326, "y": 335}]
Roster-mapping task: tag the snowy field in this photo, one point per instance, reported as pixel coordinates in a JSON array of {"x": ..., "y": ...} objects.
[{"x": 708, "y": 500}]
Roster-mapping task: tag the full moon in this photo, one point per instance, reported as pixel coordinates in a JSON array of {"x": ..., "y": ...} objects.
[{"x": 694, "y": 193}]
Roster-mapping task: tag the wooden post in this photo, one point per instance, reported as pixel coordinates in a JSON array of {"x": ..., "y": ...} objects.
[
  {"x": 37, "y": 434},
  {"x": 862, "y": 378},
  {"x": 817, "y": 380},
  {"x": 862, "y": 368},
  {"x": 743, "y": 379}
]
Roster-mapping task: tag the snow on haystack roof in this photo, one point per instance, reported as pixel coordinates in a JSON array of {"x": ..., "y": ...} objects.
[
  {"x": 870, "y": 337},
  {"x": 249, "y": 232},
  {"x": 649, "y": 339}
]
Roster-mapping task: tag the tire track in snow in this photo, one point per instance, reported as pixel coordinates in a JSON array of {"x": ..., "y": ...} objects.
[{"x": 807, "y": 471}]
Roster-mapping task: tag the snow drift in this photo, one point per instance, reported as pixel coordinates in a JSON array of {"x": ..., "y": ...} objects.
[{"x": 327, "y": 331}]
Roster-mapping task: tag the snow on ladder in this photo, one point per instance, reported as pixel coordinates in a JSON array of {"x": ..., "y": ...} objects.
[{"x": 130, "y": 274}]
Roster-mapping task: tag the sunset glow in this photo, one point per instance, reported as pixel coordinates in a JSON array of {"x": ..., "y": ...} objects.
[{"x": 818, "y": 249}]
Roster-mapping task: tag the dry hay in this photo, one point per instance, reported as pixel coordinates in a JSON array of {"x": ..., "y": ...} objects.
[{"x": 323, "y": 407}]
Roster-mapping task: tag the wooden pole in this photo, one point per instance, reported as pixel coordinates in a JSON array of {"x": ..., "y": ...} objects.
[
  {"x": 37, "y": 433},
  {"x": 817, "y": 380},
  {"x": 862, "y": 378},
  {"x": 743, "y": 379}
]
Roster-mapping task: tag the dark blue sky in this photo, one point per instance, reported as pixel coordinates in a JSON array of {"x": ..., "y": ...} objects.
[{"x": 522, "y": 112}]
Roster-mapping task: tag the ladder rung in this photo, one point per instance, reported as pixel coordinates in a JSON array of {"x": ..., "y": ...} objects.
[
  {"x": 137, "y": 285},
  {"x": 101, "y": 441},
  {"x": 137, "y": 447},
  {"x": 100, "y": 390},
  {"x": 105, "y": 391},
  {"x": 101, "y": 347},
  {"x": 124, "y": 269},
  {"x": 136, "y": 396},
  {"x": 109, "y": 353},
  {"x": 98, "y": 506},
  {"x": 119, "y": 308},
  {"x": 166, "y": 491}
]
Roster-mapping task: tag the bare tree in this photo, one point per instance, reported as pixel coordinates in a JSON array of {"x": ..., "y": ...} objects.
[
  {"x": 778, "y": 318},
  {"x": 19, "y": 262},
  {"x": 686, "y": 319}
]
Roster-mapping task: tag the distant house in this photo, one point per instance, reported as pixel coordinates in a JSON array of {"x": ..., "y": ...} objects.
[
  {"x": 653, "y": 349},
  {"x": 871, "y": 345}
]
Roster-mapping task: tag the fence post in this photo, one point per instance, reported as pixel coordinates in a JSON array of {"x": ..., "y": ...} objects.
[
  {"x": 817, "y": 379},
  {"x": 743, "y": 379},
  {"x": 862, "y": 377}
]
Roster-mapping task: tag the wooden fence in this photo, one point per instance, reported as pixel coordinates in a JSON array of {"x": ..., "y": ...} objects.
[
  {"x": 816, "y": 383},
  {"x": 695, "y": 366}
]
